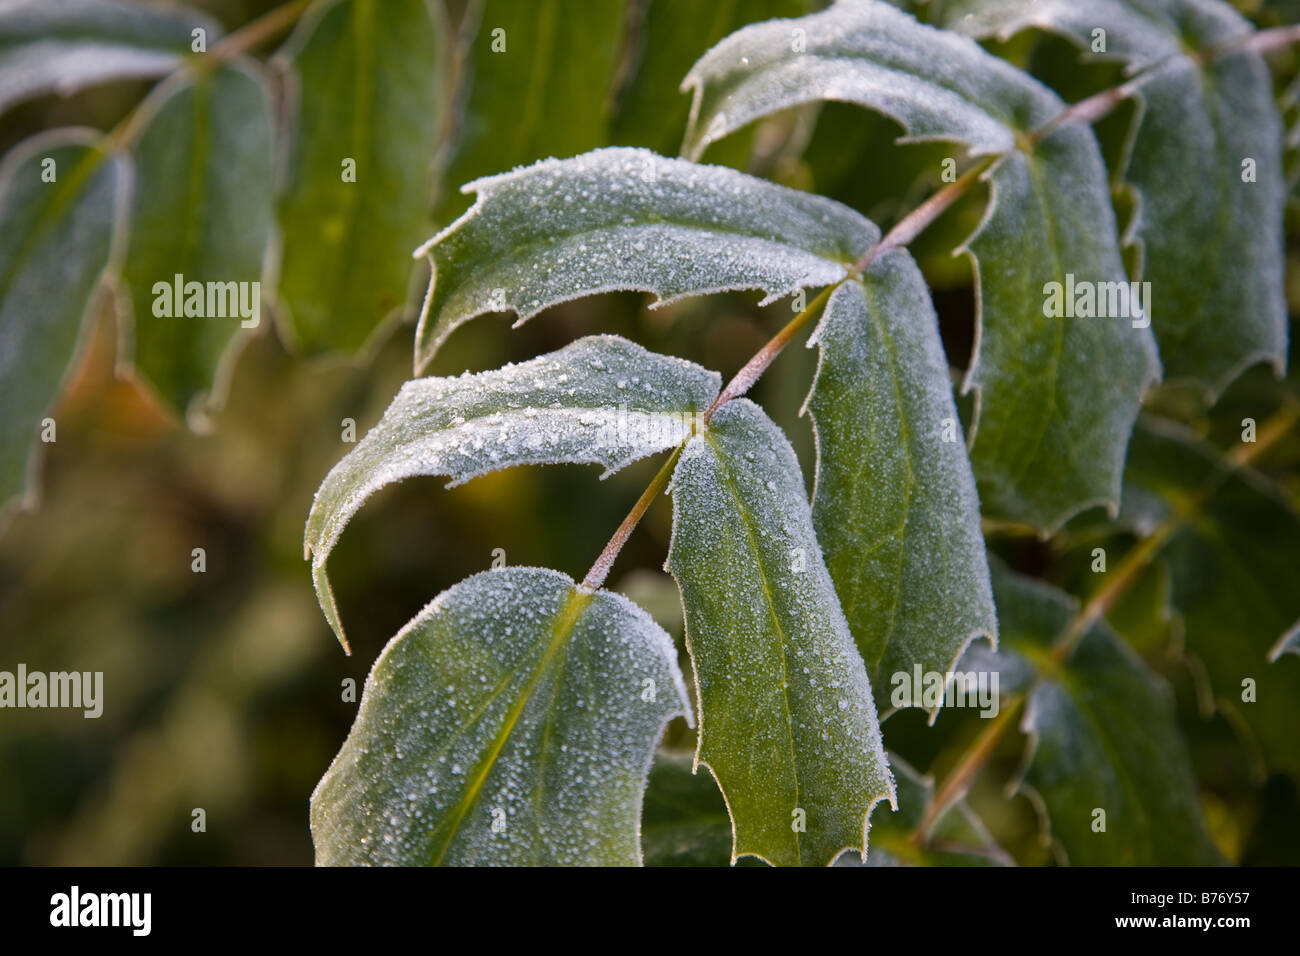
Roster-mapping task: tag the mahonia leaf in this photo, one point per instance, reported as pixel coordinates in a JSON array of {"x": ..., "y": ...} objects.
[
  {"x": 202, "y": 211},
  {"x": 787, "y": 721},
  {"x": 1233, "y": 567},
  {"x": 511, "y": 722},
  {"x": 629, "y": 219},
  {"x": 527, "y": 57},
  {"x": 361, "y": 164},
  {"x": 601, "y": 400},
  {"x": 894, "y": 503},
  {"x": 62, "y": 46},
  {"x": 59, "y": 202},
  {"x": 1057, "y": 397},
  {"x": 956, "y": 838},
  {"x": 1209, "y": 230},
  {"x": 1103, "y": 737}
]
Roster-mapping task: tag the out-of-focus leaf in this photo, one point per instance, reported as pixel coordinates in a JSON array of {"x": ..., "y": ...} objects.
[
  {"x": 1233, "y": 564},
  {"x": 787, "y": 721},
  {"x": 629, "y": 219},
  {"x": 1057, "y": 396},
  {"x": 368, "y": 95},
  {"x": 512, "y": 722},
  {"x": 895, "y": 505},
  {"x": 62, "y": 46},
  {"x": 1103, "y": 738},
  {"x": 957, "y": 838},
  {"x": 601, "y": 400},
  {"x": 202, "y": 210},
  {"x": 59, "y": 199},
  {"x": 1211, "y": 242},
  {"x": 539, "y": 77},
  {"x": 652, "y": 111}
]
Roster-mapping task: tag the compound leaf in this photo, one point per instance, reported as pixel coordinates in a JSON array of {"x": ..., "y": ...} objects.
[
  {"x": 895, "y": 505},
  {"x": 59, "y": 199},
  {"x": 601, "y": 400},
  {"x": 511, "y": 722},
  {"x": 62, "y": 46},
  {"x": 787, "y": 721},
  {"x": 1102, "y": 737},
  {"x": 202, "y": 210},
  {"x": 629, "y": 219},
  {"x": 1209, "y": 229},
  {"x": 1057, "y": 397},
  {"x": 361, "y": 165}
]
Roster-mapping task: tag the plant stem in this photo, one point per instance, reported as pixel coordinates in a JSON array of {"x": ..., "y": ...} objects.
[
  {"x": 958, "y": 782},
  {"x": 600, "y": 569},
  {"x": 251, "y": 35},
  {"x": 743, "y": 380},
  {"x": 915, "y": 222}
]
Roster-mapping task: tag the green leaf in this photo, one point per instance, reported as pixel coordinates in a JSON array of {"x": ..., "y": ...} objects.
[
  {"x": 511, "y": 722},
  {"x": 1102, "y": 736},
  {"x": 57, "y": 239},
  {"x": 539, "y": 77},
  {"x": 956, "y": 838},
  {"x": 367, "y": 77},
  {"x": 601, "y": 400},
  {"x": 629, "y": 219},
  {"x": 895, "y": 505},
  {"x": 1233, "y": 566},
  {"x": 1057, "y": 397},
  {"x": 202, "y": 210},
  {"x": 787, "y": 722},
  {"x": 652, "y": 111},
  {"x": 1215, "y": 262},
  {"x": 62, "y": 46}
]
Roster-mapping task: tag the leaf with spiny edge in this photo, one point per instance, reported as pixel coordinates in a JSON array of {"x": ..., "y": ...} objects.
[
  {"x": 1102, "y": 736},
  {"x": 367, "y": 78},
  {"x": 628, "y": 219},
  {"x": 787, "y": 721},
  {"x": 62, "y": 46},
  {"x": 202, "y": 210},
  {"x": 894, "y": 502},
  {"x": 58, "y": 238},
  {"x": 1210, "y": 242},
  {"x": 601, "y": 400},
  {"x": 1057, "y": 398},
  {"x": 511, "y": 722}
]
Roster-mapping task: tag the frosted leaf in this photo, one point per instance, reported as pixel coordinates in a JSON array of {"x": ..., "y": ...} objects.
[
  {"x": 560, "y": 408},
  {"x": 61, "y": 234},
  {"x": 62, "y": 46},
  {"x": 560, "y": 229},
  {"x": 894, "y": 503},
  {"x": 1103, "y": 734},
  {"x": 1209, "y": 242},
  {"x": 771, "y": 649},
  {"x": 1057, "y": 397},
  {"x": 511, "y": 722}
]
